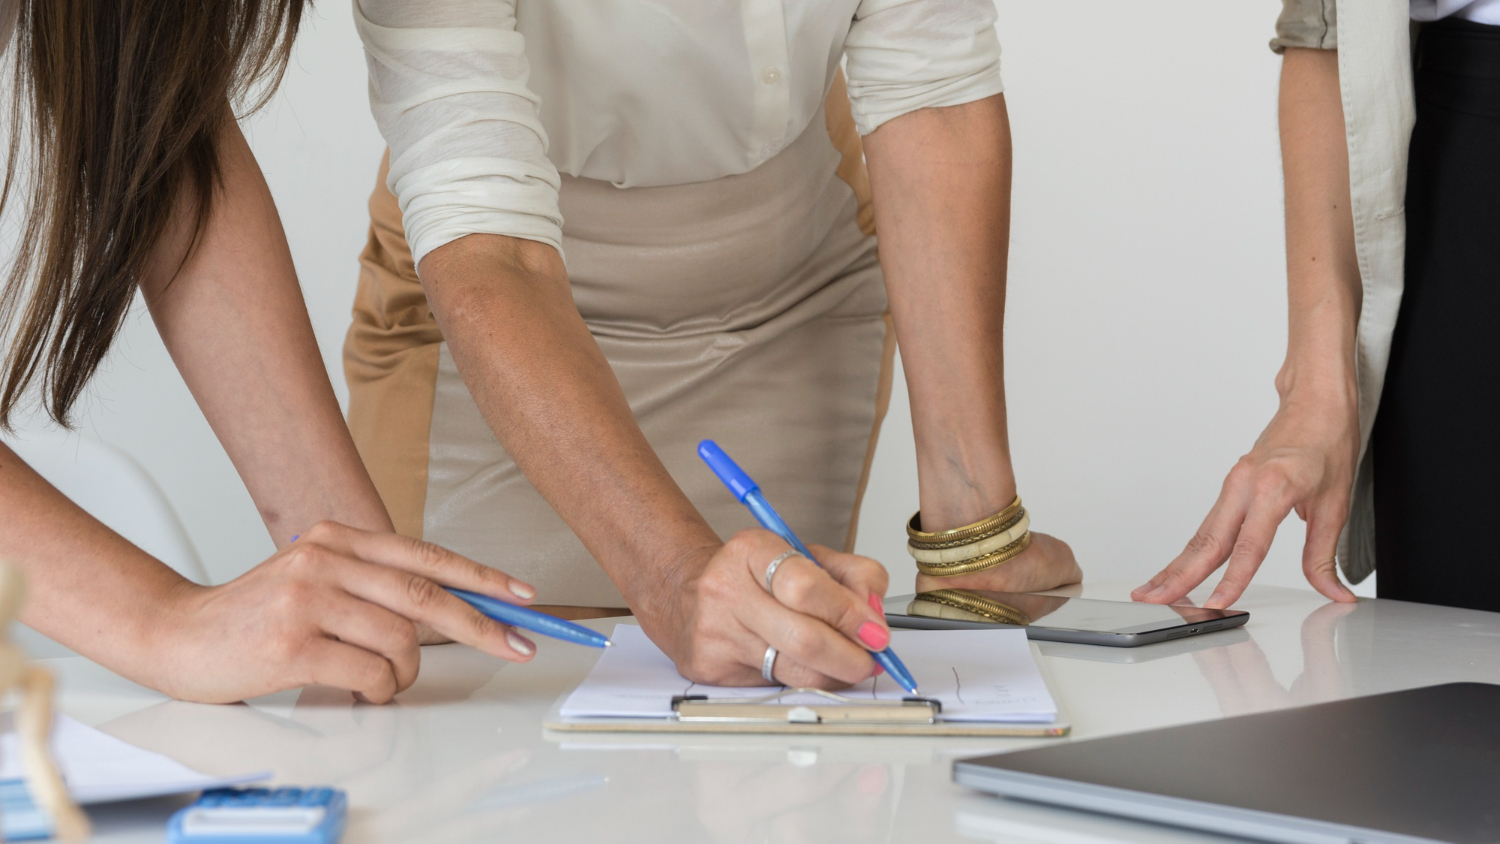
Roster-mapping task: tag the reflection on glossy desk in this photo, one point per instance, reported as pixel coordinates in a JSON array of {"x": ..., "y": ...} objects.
[{"x": 462, "y": 756}]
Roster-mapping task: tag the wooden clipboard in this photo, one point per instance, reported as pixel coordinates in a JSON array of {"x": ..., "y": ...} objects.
[{"x": 910, "y": 717}]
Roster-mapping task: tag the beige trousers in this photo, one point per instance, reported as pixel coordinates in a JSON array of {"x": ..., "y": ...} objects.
[{"x": 749, "y": 310}]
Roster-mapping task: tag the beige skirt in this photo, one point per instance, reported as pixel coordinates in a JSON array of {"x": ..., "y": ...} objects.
[{"x": 749, "y": 310}]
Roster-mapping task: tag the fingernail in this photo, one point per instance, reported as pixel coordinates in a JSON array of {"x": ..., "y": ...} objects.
[
  {"x": 1214, "y": 601},
  {"x": 522, "y": 590},
  {"x": 520, "y": 643},
  {"x": 1139, "y": 589},
  {"x": 874, "y": 636},
  {"x": 878, "y": 671},
  {"x": 875, "y": 604},
  {"x": 1157, "y": 591}
]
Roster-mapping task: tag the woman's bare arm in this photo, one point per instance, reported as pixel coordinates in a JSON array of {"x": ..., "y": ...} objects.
[
  {"x": 941, "y": 184},
  {"x": 1304, "y": 460},
  {"x": 234, "y": 321},
  {"x": 340, "y": 606}
]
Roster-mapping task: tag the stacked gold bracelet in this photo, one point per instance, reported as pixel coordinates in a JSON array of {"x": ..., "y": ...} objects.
[{"x": 982, "y": 545}]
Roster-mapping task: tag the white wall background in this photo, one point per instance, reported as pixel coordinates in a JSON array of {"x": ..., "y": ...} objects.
[{"x": 1146, "y": 315}]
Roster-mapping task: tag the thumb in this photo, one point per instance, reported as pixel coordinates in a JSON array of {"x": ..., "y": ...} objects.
[{"x": 1320, "y": 553}]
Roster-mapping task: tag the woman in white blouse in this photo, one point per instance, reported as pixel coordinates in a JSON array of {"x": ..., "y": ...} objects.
[
  {"x": 1391, "y": 387},
  {"x": 614, "y": 229}
]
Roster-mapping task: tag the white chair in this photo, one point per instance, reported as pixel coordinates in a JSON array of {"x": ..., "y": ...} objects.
[{"x": 110, "y": 486}]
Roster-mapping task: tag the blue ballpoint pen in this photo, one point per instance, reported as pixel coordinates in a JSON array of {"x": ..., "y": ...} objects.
[
  {"x": 748, "y": 492},
  {"x": 529, "y": 619}
]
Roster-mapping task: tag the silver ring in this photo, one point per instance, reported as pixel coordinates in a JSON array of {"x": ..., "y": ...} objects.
[
  {"x": 771, "y": 569},
  {"x": 767, "y": 664}
]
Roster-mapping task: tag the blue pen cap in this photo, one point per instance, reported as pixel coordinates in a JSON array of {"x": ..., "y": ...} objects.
[{"x": 728, "y": 471}]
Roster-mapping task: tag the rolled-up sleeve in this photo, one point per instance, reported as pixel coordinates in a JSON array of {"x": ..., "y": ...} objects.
[
  {"x": 1307, "y": 23},
  {"x": 909, "y": 54},
  {"x": 448, "y": 88}
]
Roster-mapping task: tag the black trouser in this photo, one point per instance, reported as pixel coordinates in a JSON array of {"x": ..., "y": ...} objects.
[{"x": 1437, "y": 435}]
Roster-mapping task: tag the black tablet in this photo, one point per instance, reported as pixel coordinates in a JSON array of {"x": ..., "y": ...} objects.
[
  {"x": 1421, "y": 765},
  {"x": 1120, "y": 624}
]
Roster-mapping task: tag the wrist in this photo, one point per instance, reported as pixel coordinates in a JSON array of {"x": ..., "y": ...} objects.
[
  {"x": 662, "y": 575},
  {"x": 1324, "y": 386},
  {"x": 953, "y": 493}
]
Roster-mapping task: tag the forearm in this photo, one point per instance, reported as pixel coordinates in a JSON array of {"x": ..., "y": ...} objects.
[
  {"x": 87, "y": 587},
  {"x": 234, "y": 321},
  {"x": 1323, "y": 282},
  {"x": 544, "y": 386},
  {"x": 941, "y": 183}
]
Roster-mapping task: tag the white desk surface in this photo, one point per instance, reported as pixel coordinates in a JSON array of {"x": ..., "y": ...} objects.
[{"x": 462, "y": 756}]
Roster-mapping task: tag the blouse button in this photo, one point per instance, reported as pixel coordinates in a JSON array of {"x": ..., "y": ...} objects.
[
  {"x": 770, "y": 76},
  {"x": 767, "y": 151}
]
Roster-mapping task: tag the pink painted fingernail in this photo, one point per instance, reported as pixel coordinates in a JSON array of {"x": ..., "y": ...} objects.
[
  {"x": 878, "y": 671},
  {"x": 874, "y": 636},
  {"x": 522, "y": 590},
  {"x": 875, "y": 604},
  {"x": 520, "y": 643}
]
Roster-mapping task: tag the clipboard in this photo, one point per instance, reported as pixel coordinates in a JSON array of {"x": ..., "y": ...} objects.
[{"x": 839, "y": 716}]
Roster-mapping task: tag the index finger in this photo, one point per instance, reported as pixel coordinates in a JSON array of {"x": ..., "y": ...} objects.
[
  {"x": 423, "y": 600},
  {"x": 1205, "y": 552},
  {"x": 433, "y": 562}
]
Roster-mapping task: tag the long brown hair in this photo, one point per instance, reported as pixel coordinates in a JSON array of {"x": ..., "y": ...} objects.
[{"x": 120, "y": 104}]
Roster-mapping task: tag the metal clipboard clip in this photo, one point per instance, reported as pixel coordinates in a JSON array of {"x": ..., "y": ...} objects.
[{"x": 840, "y": 710}]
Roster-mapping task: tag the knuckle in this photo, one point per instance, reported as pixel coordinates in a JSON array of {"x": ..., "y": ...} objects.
[
  {"x": 323, "y": 530},
  {"x": 742, "y": 545},
  {"x": 1269, "y": 484},
  {"x": 421, "y": 592},
  {"x": 1204, "y": 543},
  {"x": 1241, "y": 472},
  {"x": 1247, "y": 548},
  {"x": 795, "y": 585},
  {"x": 428, "y": 555}
]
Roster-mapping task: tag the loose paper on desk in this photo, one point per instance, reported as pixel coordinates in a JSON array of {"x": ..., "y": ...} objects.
[
  {"x": 978, "y": 675},
  {"x": 99, "y": 768}
]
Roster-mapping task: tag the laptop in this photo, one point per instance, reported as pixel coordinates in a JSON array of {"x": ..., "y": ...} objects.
[{"x": 1421, "y": 765}]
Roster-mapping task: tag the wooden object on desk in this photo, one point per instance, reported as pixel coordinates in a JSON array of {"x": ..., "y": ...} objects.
[{"x": 34, "y": 717}]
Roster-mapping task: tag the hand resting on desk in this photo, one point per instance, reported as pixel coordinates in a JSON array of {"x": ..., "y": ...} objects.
[{"x": 340, "y": 607}]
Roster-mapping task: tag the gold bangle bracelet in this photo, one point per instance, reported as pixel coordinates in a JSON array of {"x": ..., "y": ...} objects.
[
  {"x": 965, "y": 534},
  {"x": 1007, "y": 526},
  {"x": 972, "y": 550},
  {"x": 988, "y": 561}
]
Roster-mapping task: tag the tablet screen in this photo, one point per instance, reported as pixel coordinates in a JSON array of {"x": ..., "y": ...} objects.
[{"x": 981, "y": 608}]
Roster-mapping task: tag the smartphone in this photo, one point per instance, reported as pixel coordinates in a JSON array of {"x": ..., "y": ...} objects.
[{"x": 1050, "y": 618}]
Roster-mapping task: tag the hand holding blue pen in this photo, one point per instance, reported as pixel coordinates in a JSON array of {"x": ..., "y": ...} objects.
[{"x": 748, "y": 492}]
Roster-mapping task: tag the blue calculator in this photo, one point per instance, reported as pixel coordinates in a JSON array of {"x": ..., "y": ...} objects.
[{"x": 255, "y": 815}]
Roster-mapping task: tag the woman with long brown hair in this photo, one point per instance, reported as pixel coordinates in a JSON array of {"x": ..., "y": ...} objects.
[{"x": 131, "y": 173}]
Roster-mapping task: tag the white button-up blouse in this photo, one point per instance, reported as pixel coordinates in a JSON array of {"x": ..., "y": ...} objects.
[{"x": 484, "y": 102}]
